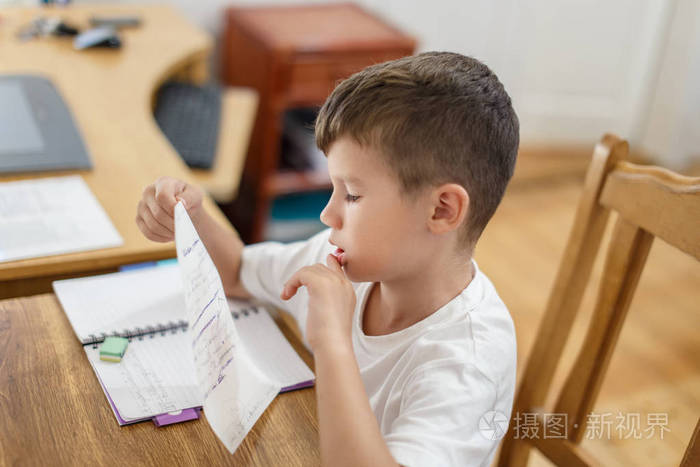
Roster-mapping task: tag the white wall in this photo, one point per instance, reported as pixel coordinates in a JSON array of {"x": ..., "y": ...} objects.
[
  {"x": 575, "y": 68},
  {"x": 672, "y": 129}
]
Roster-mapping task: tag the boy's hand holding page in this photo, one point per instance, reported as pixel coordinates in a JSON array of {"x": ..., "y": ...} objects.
[
  {"x": 235, "y": 393},
  {"x": 331, "y": 302},
  {"x": 155, "y": 218},
  {"x": 154, "y": 213}
]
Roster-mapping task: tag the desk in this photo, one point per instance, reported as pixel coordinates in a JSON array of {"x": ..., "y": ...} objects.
[
  {"x": 110, "y": 94},
  {"x": 53, "y": 410}
]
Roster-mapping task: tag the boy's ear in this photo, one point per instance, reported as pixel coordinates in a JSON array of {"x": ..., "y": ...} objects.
[{"x": 449, "y": 208}]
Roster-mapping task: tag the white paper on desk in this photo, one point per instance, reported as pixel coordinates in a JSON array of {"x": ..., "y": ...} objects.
[
  {"x": 235, "y": 392},
  {"x": 51, "y": 216}
]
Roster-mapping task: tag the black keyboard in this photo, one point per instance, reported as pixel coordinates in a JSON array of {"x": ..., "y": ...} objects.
[{"x": 189, "y": 117}]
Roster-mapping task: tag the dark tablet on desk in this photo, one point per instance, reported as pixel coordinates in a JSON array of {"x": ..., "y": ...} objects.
[{"x": 37, "y": 131}]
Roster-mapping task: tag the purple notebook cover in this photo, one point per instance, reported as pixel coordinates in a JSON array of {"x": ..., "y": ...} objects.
[
  {"x": 184, "y": 416},
  {"x": 302, "y": 385}
]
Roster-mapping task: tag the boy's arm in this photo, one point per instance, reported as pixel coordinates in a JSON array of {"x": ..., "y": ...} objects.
[
  {"x": 349, "y": 431},
  {"x": 348, "y": 428}
]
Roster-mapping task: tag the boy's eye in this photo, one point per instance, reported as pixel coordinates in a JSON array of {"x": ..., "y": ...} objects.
[{"x": 351, "y": 198}]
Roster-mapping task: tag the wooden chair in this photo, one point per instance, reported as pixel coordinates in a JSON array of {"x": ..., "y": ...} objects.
[
  {"x": 650, "y": 202},
  {"x": 238, "y": 110}
]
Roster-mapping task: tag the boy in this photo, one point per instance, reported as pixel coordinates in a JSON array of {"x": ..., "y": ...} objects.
[{"x": 412, "y": 345}]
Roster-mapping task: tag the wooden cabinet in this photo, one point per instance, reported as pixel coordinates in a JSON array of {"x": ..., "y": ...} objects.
[{"x": 293, "y": 57}]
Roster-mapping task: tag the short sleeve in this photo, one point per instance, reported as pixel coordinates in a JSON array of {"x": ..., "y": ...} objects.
[
  {"x": 265, "y": 267},
  {"x": 438, "y": 423}
]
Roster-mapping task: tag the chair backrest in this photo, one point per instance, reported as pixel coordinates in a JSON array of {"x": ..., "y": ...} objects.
[{"x": 650, "y": 202}]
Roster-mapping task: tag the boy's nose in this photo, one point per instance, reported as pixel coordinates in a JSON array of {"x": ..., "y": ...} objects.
[{"x": 329, "y": 217}]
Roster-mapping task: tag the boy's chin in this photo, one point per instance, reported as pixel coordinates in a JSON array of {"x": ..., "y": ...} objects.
[
  {"x": 351, "y": 274},
  {"x": 355, "y": 275}
]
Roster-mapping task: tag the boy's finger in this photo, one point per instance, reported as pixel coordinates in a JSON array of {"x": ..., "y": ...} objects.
[
  {"x": 290, "y": 287},
  {"x": 148, "y": 234},
  {"x": 160, "y": 215},
  {"x": 152, "y": 223},
  {"x": 189, "y": 196},
  {"x": 149, "y": 191},
  {"x": 165, "y": 193},
  {"x": 300, "y": 278},
  {"x": 288, "y": 292},
  {"x": 333, "y": 264}
]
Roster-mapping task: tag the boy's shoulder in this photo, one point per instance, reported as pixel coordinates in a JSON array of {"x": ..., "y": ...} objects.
[{"x": 474, "y": 330}]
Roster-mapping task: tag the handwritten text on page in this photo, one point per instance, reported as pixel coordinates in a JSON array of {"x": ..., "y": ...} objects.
[{"x": 235, "y": 392}]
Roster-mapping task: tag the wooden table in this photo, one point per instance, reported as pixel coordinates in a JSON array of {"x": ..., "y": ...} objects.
[
  {"x": 53, "y": 410},
  {"x": 294, "y": 56},
  {"x": 110, "y": 93}
]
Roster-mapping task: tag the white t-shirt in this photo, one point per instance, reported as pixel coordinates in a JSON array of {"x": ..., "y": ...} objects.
[{"x": 430, "y": 384}]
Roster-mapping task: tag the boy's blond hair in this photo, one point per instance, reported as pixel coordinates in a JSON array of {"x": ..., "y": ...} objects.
[{"x": 437, "y": 117}]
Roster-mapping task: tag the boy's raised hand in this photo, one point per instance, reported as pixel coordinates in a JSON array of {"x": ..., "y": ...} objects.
[
  {"x": 154, "y": 214},
  {"x": 331, "y": 302}
]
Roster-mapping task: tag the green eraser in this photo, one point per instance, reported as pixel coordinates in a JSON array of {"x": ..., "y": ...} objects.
[{"x": 113, "y": 349}]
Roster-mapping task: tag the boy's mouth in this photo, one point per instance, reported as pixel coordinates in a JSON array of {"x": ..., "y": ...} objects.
[{"x": 339, "y": 254}]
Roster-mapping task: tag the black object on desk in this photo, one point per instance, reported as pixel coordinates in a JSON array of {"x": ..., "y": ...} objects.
[
  {"x": 189, "y": 117},
  {"x": 37, "y": 131}
]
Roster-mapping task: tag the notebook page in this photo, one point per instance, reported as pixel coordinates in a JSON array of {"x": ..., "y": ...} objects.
[
  {"x": 269, "y": 350},
  {"x": 51, "y": 216},
  {"x": 235, "y": 392},
  {"x": 155, "y": 376},
  {"x": 123, "y": 300}
]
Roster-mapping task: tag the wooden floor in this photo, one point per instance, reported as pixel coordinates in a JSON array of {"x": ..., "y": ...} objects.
[{"x": 656, "y": 367}]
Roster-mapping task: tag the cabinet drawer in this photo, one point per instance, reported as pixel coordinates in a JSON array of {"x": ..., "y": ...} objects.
[{"x": 311, "y": 81}]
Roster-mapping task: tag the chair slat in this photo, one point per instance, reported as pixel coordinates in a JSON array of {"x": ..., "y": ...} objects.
[
  {"x": 624, "y": 263},
  {"x": 653, "y": 198},
  {"x": 561, "y": 451},
  {"x": 691, "y": 458}
]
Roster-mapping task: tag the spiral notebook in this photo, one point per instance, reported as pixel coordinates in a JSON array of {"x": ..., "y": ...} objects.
[{"x": 156, "y": 378}]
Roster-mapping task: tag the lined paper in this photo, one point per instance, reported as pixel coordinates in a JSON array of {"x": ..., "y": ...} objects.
[
  {"x": 235, "y": 392},
  {"x": 269, "y": 349},
  {"x": 121, "y": 301},
  {"x": 155, "y": 376}
]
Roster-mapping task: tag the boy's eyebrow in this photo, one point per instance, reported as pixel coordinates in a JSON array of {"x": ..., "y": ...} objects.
[{"x": 350, "y": 179}]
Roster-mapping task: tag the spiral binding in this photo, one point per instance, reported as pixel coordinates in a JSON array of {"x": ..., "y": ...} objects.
[
  {"x": 245, "y": 312},
  {"x": 151, "y": 331}
]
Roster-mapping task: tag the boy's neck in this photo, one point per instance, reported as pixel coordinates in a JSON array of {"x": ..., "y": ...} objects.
[{"x": 393, "y": 306}]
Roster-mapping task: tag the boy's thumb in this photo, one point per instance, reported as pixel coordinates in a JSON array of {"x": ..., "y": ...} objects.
[
  {"x": 188, "y": 196},
  {"x": 333, "y": 264}
]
